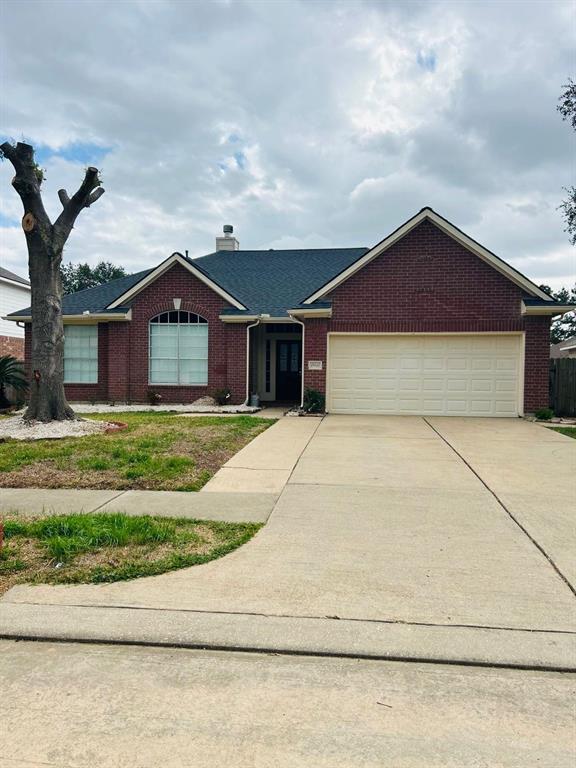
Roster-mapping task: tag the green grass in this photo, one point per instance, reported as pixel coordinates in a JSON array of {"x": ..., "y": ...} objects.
[
  {"x": 96, "y": 548},
  {"x": 158, "y": 451},
  {"x": 568, "y": 431}
]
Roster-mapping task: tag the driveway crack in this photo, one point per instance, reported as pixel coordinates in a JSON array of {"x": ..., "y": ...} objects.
[{"x": 512, "y": 517}]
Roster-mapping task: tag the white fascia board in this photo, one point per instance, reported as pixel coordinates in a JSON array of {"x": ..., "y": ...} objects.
[
  {"x": 323, "y": 312},
  {"x": 176, "y": 258},
  {"x": 238, "y": 318},
  {"x": 88, "y": 318},
  {"x": 16, "y": 284},
  {"x": 470, "y": 244},
  {"x": 557, "y": 309}
]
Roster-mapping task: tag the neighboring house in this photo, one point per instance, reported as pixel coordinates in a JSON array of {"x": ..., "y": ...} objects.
[
  {"x": 14, "y": 292},
  {"x": 425, "y": 322},
  {"x": 566, "y": 348}
]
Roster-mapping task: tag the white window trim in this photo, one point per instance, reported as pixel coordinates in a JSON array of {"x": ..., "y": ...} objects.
[{"x": 171, "y": 383}]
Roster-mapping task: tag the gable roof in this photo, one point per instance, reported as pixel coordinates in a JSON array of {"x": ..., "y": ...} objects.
[
  {"x": 428, "y": 214},
  {"x": 272, "y": 282},
  {"x": 5, "y": 274}
]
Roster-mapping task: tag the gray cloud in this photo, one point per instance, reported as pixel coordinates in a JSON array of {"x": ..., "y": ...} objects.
[{"x": 298, "y": 122}]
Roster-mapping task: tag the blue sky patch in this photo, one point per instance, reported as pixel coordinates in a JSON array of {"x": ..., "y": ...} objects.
[
  {"x": 7, "y": 221},
  {"x": 81, "y": 152},
  {"x": 241, "y": 160},
  {"x": 427, "y": 61}
]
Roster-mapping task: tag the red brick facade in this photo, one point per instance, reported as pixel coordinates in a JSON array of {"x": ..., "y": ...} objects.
[
  {"x": 123, "y": 347},
  {"x": 11, "y": 345},
  {"x": 429, "y": 283},
  {"x": 424, "y": 283}
]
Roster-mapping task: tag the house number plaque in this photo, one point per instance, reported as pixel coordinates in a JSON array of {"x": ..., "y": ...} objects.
[{"x": 314, "y": 365}]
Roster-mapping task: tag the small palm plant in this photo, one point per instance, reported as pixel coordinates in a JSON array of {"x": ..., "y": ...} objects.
[{"x": 11, "y": 375}]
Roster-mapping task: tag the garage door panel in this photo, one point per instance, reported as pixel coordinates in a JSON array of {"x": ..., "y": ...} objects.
[{"x": 464, "y": 375}]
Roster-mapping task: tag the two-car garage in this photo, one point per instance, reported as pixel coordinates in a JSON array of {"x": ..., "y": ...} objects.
[{"x": 426, "y": 374}]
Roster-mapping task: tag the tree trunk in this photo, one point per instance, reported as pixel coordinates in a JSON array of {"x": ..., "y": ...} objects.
[
  {"x": 45, "y": 243},
  {"x": 47, "y": 398}
]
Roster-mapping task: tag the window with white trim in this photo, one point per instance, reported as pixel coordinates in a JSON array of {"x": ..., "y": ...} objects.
[
  {"x": 178, "y": 349},
  {"x": 80, "y": 354}
]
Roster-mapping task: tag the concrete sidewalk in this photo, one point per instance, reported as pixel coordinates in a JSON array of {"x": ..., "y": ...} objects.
[
  {"x": 94, "y": 706},
  {"x": 266, "y": 463},
  {"x": 241, "y": 507}
]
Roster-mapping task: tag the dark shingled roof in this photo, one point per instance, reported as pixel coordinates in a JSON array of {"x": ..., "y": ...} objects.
[
  {"x": 264, "y": 281},
  {"x": 95, "y": 299},
  {"x": 275, "y": 280},
  {"x": 7, "y": 275}
]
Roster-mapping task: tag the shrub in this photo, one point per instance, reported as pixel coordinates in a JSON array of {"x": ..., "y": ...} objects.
[
  {"x": 154, "y": 398},
  {"x": 222, "y": 395},
  {"x": 544, "y": 414},
  {"x": 11, "y": 375},
  {"x": 314, "y": 401}
]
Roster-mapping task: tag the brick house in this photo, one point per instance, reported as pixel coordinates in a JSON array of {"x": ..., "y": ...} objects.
[
  {"x": 14, "y": 292},
  {"x": 427, "y": 321}
]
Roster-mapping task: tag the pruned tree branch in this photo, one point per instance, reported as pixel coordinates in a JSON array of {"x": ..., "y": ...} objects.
[
  {"x": 88, "y": 192},
  {"x": 94, "y": 196},
  {"x": 64, "y": 199},
  {"x": 26, "y": 182}
]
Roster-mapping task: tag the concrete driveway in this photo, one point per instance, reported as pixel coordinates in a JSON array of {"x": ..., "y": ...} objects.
[{"x": 394, "y": 536}]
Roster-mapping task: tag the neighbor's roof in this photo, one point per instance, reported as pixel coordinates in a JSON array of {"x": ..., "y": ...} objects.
[
  {"x": 562, "y": 347},
  {"x": 5, "y": 274}
]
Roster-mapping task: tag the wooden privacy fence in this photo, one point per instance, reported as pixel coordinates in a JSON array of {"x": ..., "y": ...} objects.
[{"x": 563, "y": 386}]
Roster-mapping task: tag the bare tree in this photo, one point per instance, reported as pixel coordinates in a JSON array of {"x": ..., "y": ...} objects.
[{"x": 45, "y": 242}]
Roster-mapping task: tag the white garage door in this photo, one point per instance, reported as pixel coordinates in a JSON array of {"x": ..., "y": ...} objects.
[{"x": 456, "y": 375}]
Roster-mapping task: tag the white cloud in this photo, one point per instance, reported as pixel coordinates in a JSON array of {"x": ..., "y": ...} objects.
[{"x": 298, "y": 122}]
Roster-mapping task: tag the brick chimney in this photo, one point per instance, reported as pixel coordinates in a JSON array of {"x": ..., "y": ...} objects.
[{"x": 227, "y": 242}]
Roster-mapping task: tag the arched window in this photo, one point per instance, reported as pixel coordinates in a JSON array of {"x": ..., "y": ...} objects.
[{"x": 178, "y": 349}]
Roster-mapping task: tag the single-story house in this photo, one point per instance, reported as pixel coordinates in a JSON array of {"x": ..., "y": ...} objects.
[
  {"x": 427, "y": 321},
  {"x": 14, "y": 292},
  {"x": 566, "y": 348}
]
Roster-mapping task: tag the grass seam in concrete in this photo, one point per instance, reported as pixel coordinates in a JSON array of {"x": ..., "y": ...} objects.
[
  {"x": 187, "y": 645},
  {"x": 538, "y": 546}
]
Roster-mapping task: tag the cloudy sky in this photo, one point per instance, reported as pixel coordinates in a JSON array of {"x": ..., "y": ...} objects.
[{"x": 300, "y": 122}]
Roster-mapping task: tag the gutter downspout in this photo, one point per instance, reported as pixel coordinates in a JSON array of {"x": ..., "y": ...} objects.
[
  {"x": 295, "y": 320},
  {"x": 252, "y": 325}
]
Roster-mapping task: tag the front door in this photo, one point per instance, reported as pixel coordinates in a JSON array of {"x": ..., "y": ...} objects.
[{"x": 288, "y": 370}]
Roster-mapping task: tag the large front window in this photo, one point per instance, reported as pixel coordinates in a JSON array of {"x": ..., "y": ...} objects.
[
  {"x": 178, "y": 349},
  {"x": 80, "y": 354}
]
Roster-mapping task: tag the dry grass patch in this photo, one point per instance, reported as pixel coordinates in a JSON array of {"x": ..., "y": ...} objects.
[
  {"x": 158, "y": 451},
  {"x": 96, "y": 548}
]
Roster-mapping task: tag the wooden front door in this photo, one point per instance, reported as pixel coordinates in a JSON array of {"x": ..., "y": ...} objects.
[{"x": 288, "y": 370}]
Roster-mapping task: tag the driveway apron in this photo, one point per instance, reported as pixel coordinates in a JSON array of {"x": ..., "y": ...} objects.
[{"x": 385, "y": 519}]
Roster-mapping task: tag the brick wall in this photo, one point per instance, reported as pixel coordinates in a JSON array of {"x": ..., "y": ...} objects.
[
  {"x": 536, "y": 363},
  {"x": 428, "y": 283},
  {"x": 123, "y": 346},
  {"x": 11, "y": 345}
]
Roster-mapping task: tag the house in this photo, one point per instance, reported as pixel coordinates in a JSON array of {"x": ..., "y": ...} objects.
[
  {"x": 427, "y": 321},
  {"x": 14, "y": 292},
  {"x": 566, "y": 348}
]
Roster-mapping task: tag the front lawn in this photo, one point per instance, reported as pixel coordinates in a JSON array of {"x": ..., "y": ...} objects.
[
  {"x": 95, "y": 548},
  {"x": 158, "y": 451},
  {"x": 568, "y": 431}
]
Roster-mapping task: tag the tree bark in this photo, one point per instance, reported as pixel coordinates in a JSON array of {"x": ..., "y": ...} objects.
[{"x": 45, "y": 242}]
